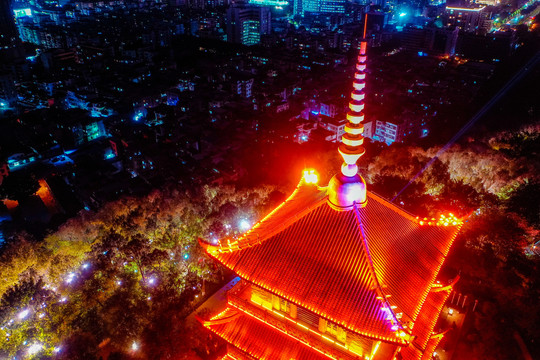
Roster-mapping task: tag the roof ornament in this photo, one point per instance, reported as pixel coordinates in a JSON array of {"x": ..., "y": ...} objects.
[{"x": 349, "y": 188}]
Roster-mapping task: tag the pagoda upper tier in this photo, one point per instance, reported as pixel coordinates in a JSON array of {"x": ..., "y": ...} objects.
[{"x": 369, "y": 269}]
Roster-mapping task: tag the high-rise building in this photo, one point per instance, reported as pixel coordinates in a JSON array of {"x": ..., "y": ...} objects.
[
  {"x": 472, "y": 18},
  {"x": 430, "y": 40},
  {"x": 336, "y": 271},
  {"x": 8, "y": 31},
  {"x": 246, "y": 24},
  {"x": 300, "y": 7}
]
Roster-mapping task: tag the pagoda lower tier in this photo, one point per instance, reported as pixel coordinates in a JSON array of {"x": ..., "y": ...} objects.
[{"x": 260, "y": 325}]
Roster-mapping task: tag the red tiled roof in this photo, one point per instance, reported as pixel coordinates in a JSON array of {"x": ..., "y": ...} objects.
[
  {"x": 262, "y": 341},
  {"x": 332, "y": 262},
  {"x": 424, "y": 325},
  {"x": 407, "y": 256}
]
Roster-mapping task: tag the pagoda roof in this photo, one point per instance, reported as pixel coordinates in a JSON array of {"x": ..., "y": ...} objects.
[
  {"x": 263, "y": 341},
  {"x": 356, "y": 268}
]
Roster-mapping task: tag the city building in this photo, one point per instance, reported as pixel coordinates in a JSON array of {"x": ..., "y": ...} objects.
[
  {"x": 335, "y": 126},
  {"x": 386, "y": 132},
  {"x": 430, "y": 40},
  {"x": 246, "y": 24},
  {"x": 300, "y": 7},
  {"x": 473, "y": 18},
  {"x": 336, "y": 271}
]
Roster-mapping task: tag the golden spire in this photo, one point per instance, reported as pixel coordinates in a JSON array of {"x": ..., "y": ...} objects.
[
  {"x": 348, "y": 189},
  {"x": 351, "y": 148}
]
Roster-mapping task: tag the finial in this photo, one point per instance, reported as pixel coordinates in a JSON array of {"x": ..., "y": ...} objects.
[
  {"x": 351, "y": 148},
  {"x": 348, "y": 189}
]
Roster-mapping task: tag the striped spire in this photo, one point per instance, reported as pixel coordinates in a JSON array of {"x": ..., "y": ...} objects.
[{"x": 351, "y": 148}]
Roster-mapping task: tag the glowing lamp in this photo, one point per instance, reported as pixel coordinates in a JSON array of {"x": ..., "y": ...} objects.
[
  {"x": 134, "y": 346},
  {"x": 23, "y": 314},
  {"x": 311, "y": 177},
  {"x": 244, "y": 225},
  {"x": 34, "y": 349}
]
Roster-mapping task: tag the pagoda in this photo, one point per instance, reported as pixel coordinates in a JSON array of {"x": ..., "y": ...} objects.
[{"x": 336, "y": 271}]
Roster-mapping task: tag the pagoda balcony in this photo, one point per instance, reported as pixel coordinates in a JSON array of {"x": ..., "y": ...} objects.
[{"x": 239, "y": 297}]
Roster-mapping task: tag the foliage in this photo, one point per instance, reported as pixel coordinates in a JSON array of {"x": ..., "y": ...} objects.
[
  {"x": 493, "y": 184},
  {"x": 107, "y": 279}
]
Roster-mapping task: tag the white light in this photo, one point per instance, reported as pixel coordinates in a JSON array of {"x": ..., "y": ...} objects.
[
  {"x": 23, "y": 314},
  {"x": 34, "y": 349},
  {"x": 64, "y": 299},
  {"x": 85, "y": 265},
  {"x": 151, "y": 281},
  {"x": 310, "y": 177},
  {"x": 134, "y": 346},
  {"x": 450, "y": 311},
  {"x": 57, "y": 349},
  {"x": 402, "y": 14},
  {"x": 118, "y": 282},
  {"x": 70, "y": 277},
  {"x": 244, "y": 225}
]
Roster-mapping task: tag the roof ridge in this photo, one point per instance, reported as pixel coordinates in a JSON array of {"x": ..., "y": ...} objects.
[
  {"x": 252, "y": 237},
  {"x": 373, "y": 272}
]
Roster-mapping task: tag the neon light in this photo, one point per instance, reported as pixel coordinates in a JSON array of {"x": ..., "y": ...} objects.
[
  {"x": 327, "y": 338},
  {"x": 465, "y": 9}
]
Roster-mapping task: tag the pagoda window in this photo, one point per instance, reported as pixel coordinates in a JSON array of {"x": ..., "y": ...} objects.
[
  {"x": 261, "y": 297},
  {"x": 337, "y": 331},
  {"x": 284, "y": 305},
  {"x": 307, "y": 317},
  {"x": 322, "y": 325}
]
